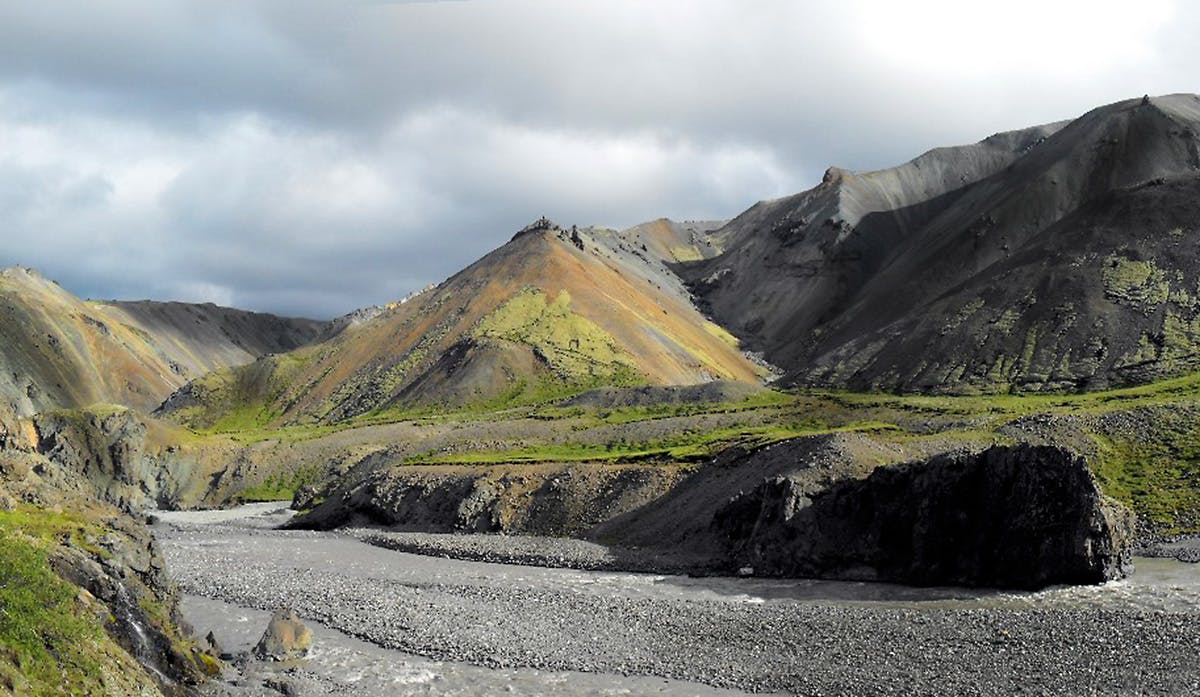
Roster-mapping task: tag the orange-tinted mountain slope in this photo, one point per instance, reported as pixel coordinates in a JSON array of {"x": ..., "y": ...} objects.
[
  {"x": 551, "y": 311},
  {"x": 59, "y": 351}
]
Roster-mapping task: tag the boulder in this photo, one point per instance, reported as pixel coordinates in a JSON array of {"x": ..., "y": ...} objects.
[
  {"x": 304, "y": 498},
  {"x": 1008, "y": 517},
  {"x": 211, "y": 645},
  {"x": 286, "y": 637}
]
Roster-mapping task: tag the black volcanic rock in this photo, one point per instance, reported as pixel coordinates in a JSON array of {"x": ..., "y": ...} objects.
[
  {"x": 1019, "y": 517},
  {"x": 1061, "y": 257}
]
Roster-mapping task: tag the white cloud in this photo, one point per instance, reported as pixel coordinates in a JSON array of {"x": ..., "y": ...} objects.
[
  {"x": 1032, "y": 39},
  {"x": 309, "y": 156}
]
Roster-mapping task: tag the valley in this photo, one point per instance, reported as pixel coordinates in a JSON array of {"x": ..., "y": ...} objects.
[{"x": 914, "y": 430}]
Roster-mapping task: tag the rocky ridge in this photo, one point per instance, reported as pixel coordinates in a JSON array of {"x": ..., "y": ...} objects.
[{"x": 1056, "y": 258}]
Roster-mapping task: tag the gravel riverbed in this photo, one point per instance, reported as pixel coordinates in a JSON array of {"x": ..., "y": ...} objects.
[
  {"x": 528, "y": 550},
  {"x": 729, "y": 633}
]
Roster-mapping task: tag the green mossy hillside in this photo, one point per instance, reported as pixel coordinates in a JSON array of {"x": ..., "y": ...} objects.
[
  {"x": 52, "y": 634},
  {"x": 576, "y": 348},
  {"x": 238, "y": 399}
]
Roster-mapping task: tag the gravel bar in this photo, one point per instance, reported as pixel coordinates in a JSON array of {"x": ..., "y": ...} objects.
[
  {"x": 558, "y": 619},
  {"x": 528, "y": 550}
]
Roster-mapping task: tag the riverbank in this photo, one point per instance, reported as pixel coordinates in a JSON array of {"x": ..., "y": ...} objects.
[{"x": 750, "y": 635}]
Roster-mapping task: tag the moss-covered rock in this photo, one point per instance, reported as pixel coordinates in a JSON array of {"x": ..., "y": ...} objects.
[{"x": 88, "y": 608}]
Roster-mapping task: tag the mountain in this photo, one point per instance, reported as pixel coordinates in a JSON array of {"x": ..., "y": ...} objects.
[
  {"x": 1059, "y": 257},
  {"x": 59, "y": 351},
  {"x": 554, "y": 310}
]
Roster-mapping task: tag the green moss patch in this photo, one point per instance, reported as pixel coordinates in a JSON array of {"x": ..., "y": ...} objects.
[
  {"x": 52, "y": 640},
  {"x": 1134, "y": 281},
  {"x": 281, "y": 486},
  {"x": 576, "y": 348}
]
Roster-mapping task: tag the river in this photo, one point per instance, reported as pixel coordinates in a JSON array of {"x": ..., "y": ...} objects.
[{"x": 389, "y": 623}]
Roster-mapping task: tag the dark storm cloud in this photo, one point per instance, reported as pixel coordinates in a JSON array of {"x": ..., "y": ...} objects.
[{"x": 312, "y": 156}]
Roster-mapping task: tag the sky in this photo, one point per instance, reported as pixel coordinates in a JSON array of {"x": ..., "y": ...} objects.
[{"x": 309, "y": 157}]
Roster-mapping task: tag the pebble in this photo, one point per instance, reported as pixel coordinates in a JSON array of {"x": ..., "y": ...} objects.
[{"x": 802, "y": 647}]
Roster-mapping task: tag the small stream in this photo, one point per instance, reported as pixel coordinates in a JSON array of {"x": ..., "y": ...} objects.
[{"x": 1164, "y": 585}]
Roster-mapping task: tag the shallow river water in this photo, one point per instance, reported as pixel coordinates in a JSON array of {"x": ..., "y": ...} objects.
[{"x": 343, "y": 664}]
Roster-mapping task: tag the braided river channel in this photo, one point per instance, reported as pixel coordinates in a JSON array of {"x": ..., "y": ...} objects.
[{"x": 391, "y": 623}]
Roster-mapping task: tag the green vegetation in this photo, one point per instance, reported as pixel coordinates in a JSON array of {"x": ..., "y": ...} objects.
[
  {"x": 1160, "y": 476},
  {"x": 686, "y": 253},
  {"x": 686, "y": 446},
  {"x": 51, "y": 640},
  {"x": 46, "y": 638},
  {"x": 244, "y": 417},
  {"x": 1134, "y": 281},
  {"x": 631, "y": 414},
  {"x": 522, "y": 397},
  {"x": 243, "y": 398},
  {"x": 576, "y": 348},
  {"x": 281, "y": 486}
]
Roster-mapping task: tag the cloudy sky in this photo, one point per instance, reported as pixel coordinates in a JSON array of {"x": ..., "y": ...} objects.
[{"x": 313, "y": 156}]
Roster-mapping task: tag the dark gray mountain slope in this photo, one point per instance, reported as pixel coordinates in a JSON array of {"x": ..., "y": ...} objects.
[{"x": 1057, "y": 257}]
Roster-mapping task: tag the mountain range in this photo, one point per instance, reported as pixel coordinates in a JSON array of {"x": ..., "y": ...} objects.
[
  {"x": 1059, "y": 257},
  {"x": 607, "y": 385},
  {"x": 57, "y": 351}
]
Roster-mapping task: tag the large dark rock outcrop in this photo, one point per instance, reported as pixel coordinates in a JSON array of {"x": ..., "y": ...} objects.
[{"x": 1013, "y": 517}]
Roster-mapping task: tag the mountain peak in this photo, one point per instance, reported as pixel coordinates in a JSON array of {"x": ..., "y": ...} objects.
[
  {"x": 1037, "y": 259},
  {"x": 834, "y": 175},
  {"x": 22, "y": 271},
  {"x": 542, "y": 224}
]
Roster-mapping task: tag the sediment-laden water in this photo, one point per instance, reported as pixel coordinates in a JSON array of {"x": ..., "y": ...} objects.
[{"x": 393, "y": 623}]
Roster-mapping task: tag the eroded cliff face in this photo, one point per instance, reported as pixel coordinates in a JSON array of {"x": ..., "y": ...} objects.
[
  {"x": 129, "y": 460},
  {"x": 841, "y": 506},
  {"x": 85, "y": 563},
  {"x": 1019, "y": 517},
  {"x": 547, "y": 499}
]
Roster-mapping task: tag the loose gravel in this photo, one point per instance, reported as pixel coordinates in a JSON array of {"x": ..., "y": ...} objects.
[
  {"x": 557, "y": 619},
  {"x": 528, "y": 550}
]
